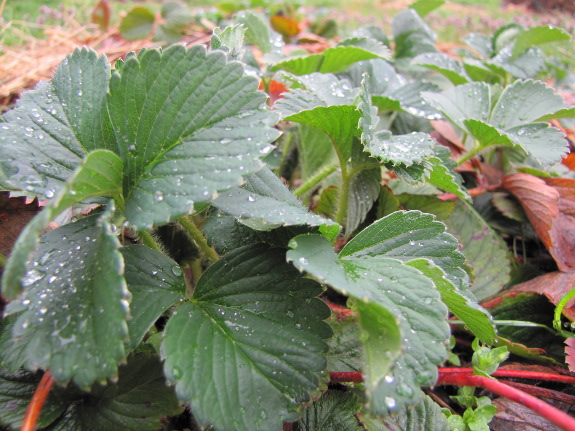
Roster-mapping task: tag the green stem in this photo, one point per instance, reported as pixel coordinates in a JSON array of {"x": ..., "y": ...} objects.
[
  {"x": 314, "y": 180},
  {"x": 285, "y": 152},
  {"x": 344, "y": 189},
  {"x": 148, "y": 240},
  {"x": 199, "y": 238},
  {"x": 357, "y": 169},
  {"x": 471, "y": 153},
  {"x": 2, "y": 260}
]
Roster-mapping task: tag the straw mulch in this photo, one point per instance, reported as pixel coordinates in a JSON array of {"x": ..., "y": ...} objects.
[{"x": 21, "y": 67}]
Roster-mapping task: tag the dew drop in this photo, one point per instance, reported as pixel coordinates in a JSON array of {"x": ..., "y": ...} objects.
[
  {"x": 176, "y": 270},
  {"x": 158, "y": 196},
  {"x": 390, "y": 402}
]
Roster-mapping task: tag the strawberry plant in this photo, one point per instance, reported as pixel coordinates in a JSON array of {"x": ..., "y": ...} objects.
[{"x": 185, "y": 272}]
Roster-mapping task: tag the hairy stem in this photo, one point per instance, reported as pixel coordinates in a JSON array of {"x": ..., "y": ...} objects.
[
  {"x": 198, "y": 237},
  {"x": 148, "y": 240},
  {"x": 552, "y": 414},
  {"x": 314, "y": 180},
  {"x": 35, "y": 407},
  {"x": 517, "y": 374}
]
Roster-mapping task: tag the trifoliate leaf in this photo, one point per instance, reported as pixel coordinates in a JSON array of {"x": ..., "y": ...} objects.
[
  {"x": 156, "y": 282},
  {"x": 265, "y": 203},
  {"x": 252, "y": 337},
  {"x": 199, "y": 129},
  {"x": 75, "y": 277},
  {"x": 483, "y": 248},
  {"x": 335, "y": 410}
]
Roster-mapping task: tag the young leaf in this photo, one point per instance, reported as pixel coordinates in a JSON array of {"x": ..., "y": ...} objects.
[
  {"x": 257, "y": 30},
  {"x": 180, "y": 151},
  {"x": 137, "y": 24},
  {"x": 537, "y": 36},
  {"x": 155, "y": 282},
  {"x": 251, "y": 338},
  {"x": 483, "y": 248},
  {"x": 335, "y": 410},
  {"x": 229, "y": 40},
  {"x": 100, "y": 174},
  {"x": 334, "y": 60},
  {"x": 265, "y": 203},
  {"x": 51, "y": 129},
  {"x": 61, "y": 326}
]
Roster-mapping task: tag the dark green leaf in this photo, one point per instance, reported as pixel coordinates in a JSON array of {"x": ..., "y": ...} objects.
[
  {"x": 73, "y": 280},
  {"x": 100, "y": 174},
  {"x": 335, "y": 410},
  {"x": 265, "y": 203},
  {"x": 253, "y": 330},
  {"x": 137, "y": 24},
  {"x": 345, "y": 347},
  {"x": 424, "y": 416},
  {"x": 156, "y": 282},
  {"x": 483, "y": 248},
  {"x": 51, "y": 129},
  {"x": 172, "y": 159}
]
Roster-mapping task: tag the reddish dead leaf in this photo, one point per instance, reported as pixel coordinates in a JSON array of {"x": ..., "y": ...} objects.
[
  {"x": 445, "y": 129},
  {"x": 284, "y": 25},
  {"x": 101, "y": 14},
  {"x": 549, "y": 203},
  {"x": 15, "y": 213},
  {"x": 570, "y": 353},
  {"x": 513, "y": 416},
  {"x": 554, "y": 285},
  {"x": 569, "y": 161}
]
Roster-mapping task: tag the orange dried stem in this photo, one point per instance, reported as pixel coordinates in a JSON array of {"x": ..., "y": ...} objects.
[{"x": 35, "y": 407}]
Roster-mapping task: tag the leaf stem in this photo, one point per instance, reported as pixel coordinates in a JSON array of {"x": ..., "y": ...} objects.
[
  {"x": 471, "y": 153},
  {"x": 2, "y": 260},
  {"x": 35, "y": 407},
  {"x": 311, "y": 182},
  {"x": 552, "y": 414},
  {"x": 198, "y": 237},
  {"x": 285, "y": 152},
  {"x": 346, "y": 377},
  {"x": 148, "y": 240},
  {"x": 344, "y": 189},
  {"x": 516, "y": 374}
]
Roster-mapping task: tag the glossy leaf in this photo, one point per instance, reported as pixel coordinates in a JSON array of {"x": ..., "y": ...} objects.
[
  {"x": 174, "y": 160},
  {"x": 137, "y": 24},
  {"x": 61, "y": 324},
  {"x": 265, "y": 203},
  {"x": 252, "y": 337},
  {"x": 483, "y": 248},
  {"x": 335, "y": 410},
  {"x": 155, "y": 282},
  {"x": 100, "y": 174}
]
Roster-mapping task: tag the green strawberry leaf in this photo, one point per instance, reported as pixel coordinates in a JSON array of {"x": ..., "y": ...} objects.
[
  {"x": 537, "y": 36},
  {"x": 403, "y": 295},
  {"x": 407, "y": 235},
  {"x": 423, "y": 7},
  {"x": 450, "y": 68},
  {"x": 315, "y": 150},
  {"x": 442, "y": 173},
  {"x": 229, "y": 40},
  {"x": 156, "y": 283},
  {"x": 335, "y": 410},
  {"x": 412, "y": 36},
  {"x": 252, "y": 330},
  {"x": 345, "y": 347},
  {"x": 460, "y": 302},
  {"x": 137, "y": 24},
  {"x": 527, "y": 65},
  {"x": 45, "y": 137},
  {"x": 426, "y": 415},
  {"x": 100, "y": 174},
  {"x": 363, "y": 191},
  {"x": 172, "y": 159},
  {"x": 484, "y": 250},
  {"x": 61, "y": 325},
  {"x": 334, "y": 60},
  {"x": 257, "y": 31},
  {"x": 16, "y": 390},
  {"x": 265, "y": 203}
]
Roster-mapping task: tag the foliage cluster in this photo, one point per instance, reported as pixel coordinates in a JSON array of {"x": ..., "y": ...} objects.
[{"x": 183, "y": 258}]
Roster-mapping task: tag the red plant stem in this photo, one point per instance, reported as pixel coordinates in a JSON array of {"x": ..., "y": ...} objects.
[
  {"x": 35, "y": 407},
  {"x": 552, "y": 414},
  {"x": 340, "y": 311},
  {"x": 517, "y": 374},
  {"x": 347, "y": 377},
  {"x": 287, "y": 426}
]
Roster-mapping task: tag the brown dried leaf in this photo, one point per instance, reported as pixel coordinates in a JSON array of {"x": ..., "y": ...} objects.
[
  {"x": 15, "y": 213},
  {"x": 570, "y": 353},
  {"x": 101, "y": 14},
  {"x": 549, "y": 204},
  {"x": 554, "y": 285},
  {"x": 512, "y": 416}
]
